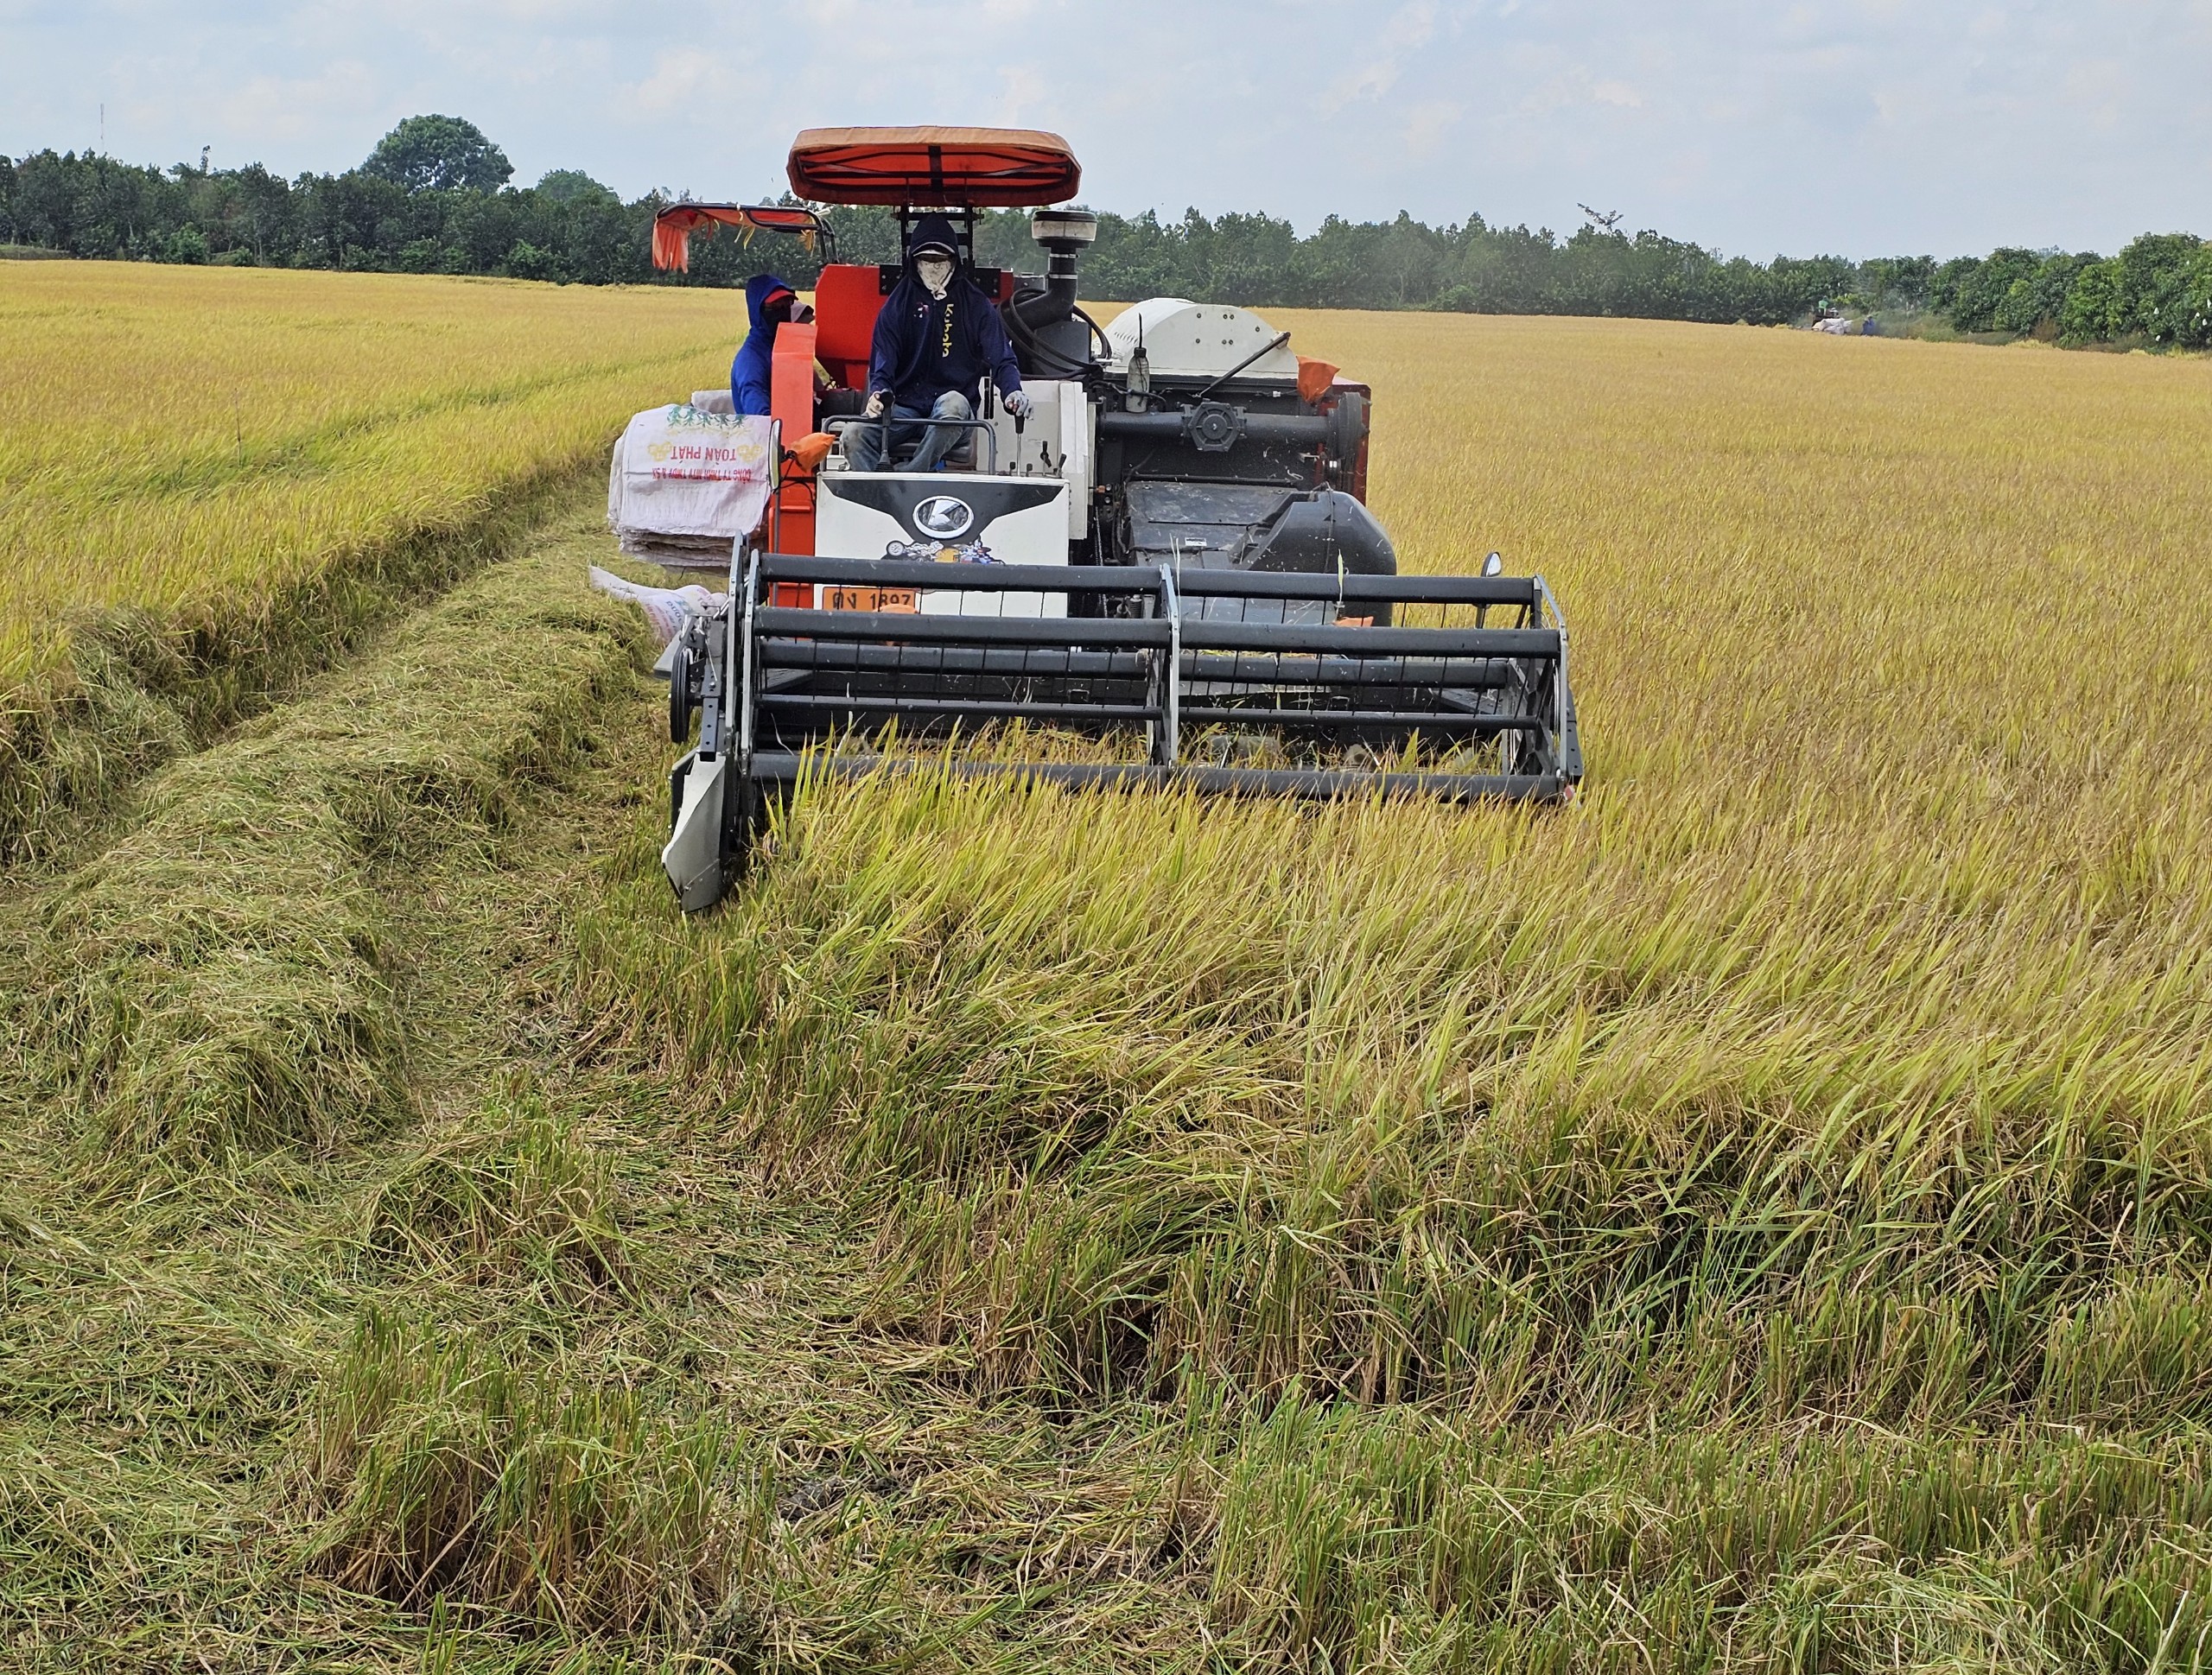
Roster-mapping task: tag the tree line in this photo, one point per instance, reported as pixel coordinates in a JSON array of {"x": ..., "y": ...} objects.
[{"x": 434, "y": 197}]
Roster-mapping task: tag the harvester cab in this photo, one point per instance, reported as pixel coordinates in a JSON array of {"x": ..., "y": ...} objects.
[{"x": 1171, "y": 549}]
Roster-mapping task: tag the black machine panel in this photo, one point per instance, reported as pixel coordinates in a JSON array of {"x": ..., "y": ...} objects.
[{"x": 1241, "y": 526}]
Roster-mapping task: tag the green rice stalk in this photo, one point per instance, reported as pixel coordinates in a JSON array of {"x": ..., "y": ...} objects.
[{"x": 440, "y": 1471}]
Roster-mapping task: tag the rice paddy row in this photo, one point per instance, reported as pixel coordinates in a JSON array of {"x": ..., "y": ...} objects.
[{"x": 210, "y": 480}]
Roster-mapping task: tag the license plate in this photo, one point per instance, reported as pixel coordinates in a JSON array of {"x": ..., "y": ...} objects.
[{"x": 868, "y": 599}]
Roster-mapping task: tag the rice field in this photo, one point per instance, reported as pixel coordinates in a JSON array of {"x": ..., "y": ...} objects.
[
  {"x": 1682, "y": 1234},
  {"x": 207, "y": 468},
  {"x": 1758, "y": 1220}
]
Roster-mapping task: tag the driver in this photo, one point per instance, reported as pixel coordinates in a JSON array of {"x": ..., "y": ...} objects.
[{"x": 936, "y": 336}]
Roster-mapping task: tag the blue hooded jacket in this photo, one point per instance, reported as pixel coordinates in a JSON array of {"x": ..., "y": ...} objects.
[
  {"x": 748, "y": 373},
  {"x": 924, "y": 347}
]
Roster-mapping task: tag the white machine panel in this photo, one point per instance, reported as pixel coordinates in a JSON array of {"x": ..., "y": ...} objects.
[
  {"x": 950, "y": 517},
  {"x": 1199, "y": 339},
  {"x": 1055, "y": 440}
]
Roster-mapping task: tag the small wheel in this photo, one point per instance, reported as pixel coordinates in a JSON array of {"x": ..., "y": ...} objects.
[{"x": 679, "y": 694}]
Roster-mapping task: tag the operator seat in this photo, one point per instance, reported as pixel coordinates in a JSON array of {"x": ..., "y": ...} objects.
[{"x": 847, "y": 299}]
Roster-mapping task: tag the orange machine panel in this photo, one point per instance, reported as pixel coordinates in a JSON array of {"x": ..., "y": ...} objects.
[
  {"x": 791, "y": 398},
  {"x": 847, "y": 299}
]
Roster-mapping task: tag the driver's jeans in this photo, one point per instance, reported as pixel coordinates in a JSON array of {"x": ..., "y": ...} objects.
[{"x": 864, "y": 445}]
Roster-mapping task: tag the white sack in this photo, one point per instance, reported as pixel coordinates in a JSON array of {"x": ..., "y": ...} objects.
[
  {"x": 679, "y": 471},
  {"x": 666, "y": 608}
]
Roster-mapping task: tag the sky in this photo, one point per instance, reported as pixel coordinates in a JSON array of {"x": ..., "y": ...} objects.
[{"x": 1857, "y": 127}]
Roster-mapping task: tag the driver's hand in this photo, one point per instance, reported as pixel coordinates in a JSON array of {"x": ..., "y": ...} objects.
[
  {"x": 874, "y": 408},
  {"x": 1019, "y": 405}
]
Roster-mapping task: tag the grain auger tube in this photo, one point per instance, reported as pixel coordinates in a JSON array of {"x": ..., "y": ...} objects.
[{"x": 1169, "y": 557}]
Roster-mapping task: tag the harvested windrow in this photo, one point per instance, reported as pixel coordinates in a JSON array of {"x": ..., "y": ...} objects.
[
  {"x": 513, "y": 1192},
  {"x": 220, "y": 982}
]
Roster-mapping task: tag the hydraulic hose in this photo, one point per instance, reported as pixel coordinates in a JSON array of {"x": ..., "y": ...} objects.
[{"x": 1035, "y": 350}]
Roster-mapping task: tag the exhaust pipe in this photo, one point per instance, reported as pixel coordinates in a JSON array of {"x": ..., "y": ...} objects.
[{"x": 1048, "y": 317}]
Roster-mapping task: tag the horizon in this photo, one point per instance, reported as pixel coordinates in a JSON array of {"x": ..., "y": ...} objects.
[
  {"x": 1871, "y": 130},
  {"x": 1587, "y": 219}
]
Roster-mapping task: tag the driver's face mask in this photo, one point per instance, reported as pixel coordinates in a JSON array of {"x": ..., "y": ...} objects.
[{"x": 935, "y": 273}]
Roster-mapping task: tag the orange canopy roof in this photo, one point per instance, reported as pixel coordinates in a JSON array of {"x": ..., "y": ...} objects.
[
  {"x": 977, "y": 167},
  {"x": 673, "y": 227}
]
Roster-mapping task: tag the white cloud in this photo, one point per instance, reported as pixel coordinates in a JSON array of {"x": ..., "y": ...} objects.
[
  {"x": 1368, "y": 81},
  {"x": 272, "y": 107},
  {"x": 1410, "y": 28},
  {"x": 1577, "y": 89},
  {"x": 1428, "y": 123},
  {"x": 687, "y": 80},
  {"x": 1022, "y": 87},
  {"x": 2098, "y": 88}
]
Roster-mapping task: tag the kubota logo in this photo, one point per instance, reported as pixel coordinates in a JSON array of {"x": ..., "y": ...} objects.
[{"x": 944, "y": 517}]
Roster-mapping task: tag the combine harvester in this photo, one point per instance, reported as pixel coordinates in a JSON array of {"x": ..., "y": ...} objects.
[{"x": 1173, "y": 550}]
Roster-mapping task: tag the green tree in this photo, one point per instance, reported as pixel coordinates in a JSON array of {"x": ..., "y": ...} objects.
[
  {"x": 439, "y": 154},
  {"x": 2093, "y": 308},
  {"x": 572, "y": 185},
  {"x": 1982, "y": 290},
  {"x": 528, "y": 261},
  {"x": 2155, "y": 274},
  {"x": 2186, "y": 301},
  {"x": 1945, "y": 285},
  {"x": 1898, "y": 282},
  {"x": 2034, "y": 299}
]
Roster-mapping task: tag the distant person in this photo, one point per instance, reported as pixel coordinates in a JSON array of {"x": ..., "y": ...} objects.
[
  {"x": 769, "y": 302},
  {"x": 936, "y": 338}
]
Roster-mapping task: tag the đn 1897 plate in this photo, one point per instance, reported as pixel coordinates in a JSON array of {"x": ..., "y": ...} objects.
[{"x": 836, "y": 597}]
